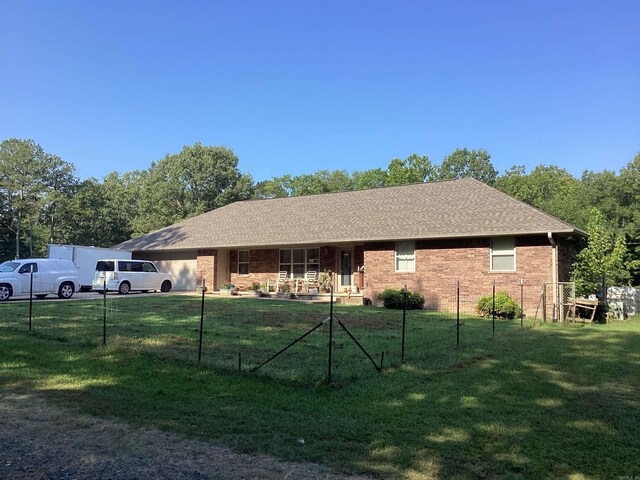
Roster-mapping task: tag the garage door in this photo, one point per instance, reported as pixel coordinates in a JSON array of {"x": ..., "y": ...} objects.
[
  {"x": 181, "y": 265},
  {"x": 183, "y": 272}
]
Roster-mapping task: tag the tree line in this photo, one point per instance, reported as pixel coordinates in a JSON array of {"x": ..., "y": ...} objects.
[{"x": 43, "y": 201}]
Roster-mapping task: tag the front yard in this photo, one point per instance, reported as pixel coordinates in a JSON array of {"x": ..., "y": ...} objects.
[{"x": 557, "y": 400}]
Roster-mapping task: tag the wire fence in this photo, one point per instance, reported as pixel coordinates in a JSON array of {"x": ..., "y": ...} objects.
[{"x": 288, "y": 340}]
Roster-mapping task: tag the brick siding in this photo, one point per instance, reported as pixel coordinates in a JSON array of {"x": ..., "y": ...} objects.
[
  {"x": 441, "y": 263},
  {"x": 206, "y": 267}
]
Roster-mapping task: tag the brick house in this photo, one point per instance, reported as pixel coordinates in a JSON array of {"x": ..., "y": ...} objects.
[{"x": 427, "y": 236}]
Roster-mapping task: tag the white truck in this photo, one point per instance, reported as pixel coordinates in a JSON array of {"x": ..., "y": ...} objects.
[
  {"x": 85, "y": 258},
  {"x": 42, "y": 276}
]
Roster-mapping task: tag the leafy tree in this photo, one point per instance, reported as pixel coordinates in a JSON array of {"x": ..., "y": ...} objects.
[
  {"x": 22, "y": 169},
  {"x": 603, "y": 260},
  {"x": 413, "y": 169},
  {"x": 549, "y": 188},
  {"x": 464, "y": 163},
  {"x": 277, "y": 187},
  {"x": 374, "y": 178},
  {"x": 58, "y": 181},
  {"x": 196, "y": 180}
]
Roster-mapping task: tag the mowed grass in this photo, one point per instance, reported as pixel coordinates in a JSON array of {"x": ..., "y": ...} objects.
[{"x": 554, "y": 401}]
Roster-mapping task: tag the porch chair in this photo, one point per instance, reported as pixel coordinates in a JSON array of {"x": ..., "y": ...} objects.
[
  {"x": 310, "y": 280},
  {"x": 281, "y": 279}
]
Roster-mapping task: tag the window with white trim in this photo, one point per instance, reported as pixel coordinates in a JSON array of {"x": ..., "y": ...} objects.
[
  {"x": 405, "y": 256},
  {"x": 297, "y": 261},
  {"x": 243, "y": 262},
  {"x": 503, "y": 254}
]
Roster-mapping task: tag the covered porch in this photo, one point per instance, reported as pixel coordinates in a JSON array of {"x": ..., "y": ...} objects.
[{"x": 282, "y": 269}]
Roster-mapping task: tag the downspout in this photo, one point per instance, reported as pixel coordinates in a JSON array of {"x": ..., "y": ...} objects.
[{"x": 554, "y": 272}]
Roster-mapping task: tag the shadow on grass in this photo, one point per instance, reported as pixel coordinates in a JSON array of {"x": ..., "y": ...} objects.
[{"x": 557, "y": 401}]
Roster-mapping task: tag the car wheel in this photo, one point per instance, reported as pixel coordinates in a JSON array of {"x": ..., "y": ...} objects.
[
  {"x": 41, "y": 295},
  {"x": 124, "y": 288},
  {"x": 5, "y": 292},
  {"x": 166, "y": 286},
  {"x": 65, "y": 290}
]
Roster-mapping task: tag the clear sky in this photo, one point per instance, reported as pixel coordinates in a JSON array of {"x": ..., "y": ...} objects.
[{"x": 299, "y": 86}]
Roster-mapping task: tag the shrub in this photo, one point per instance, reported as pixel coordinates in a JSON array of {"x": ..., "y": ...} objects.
[
  {"x": 394, "y": 298},
  {"x": 506, "y": 307}
]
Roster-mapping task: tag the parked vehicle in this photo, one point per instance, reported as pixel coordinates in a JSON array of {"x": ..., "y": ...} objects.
[
  {"x": 85, "y": 258},
  {"x": 126, "y": 275},
  {"x": 49, "y": 277}
]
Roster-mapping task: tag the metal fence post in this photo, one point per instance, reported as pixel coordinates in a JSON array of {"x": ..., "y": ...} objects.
[
  {"x": 330, "y": 325},
  {"x": 104, "y": 311},
  {"x": 30, "y": 297},
  {"x": 493, "y": 309},
  {"x": 544, "y": 302},
  {"x": 521, "y": 302},
  {"x": 458, "y": 314},
  {"x": 404, "y": 322},
  {"x": 201, "y": 321}
]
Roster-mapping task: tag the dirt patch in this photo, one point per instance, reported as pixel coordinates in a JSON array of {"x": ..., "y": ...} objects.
[{"x": 41, "y": 441}]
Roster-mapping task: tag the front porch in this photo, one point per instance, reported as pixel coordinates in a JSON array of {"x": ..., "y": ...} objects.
[
  {"x": 311, "y": 297},
  {"x": 254, "y": 269}
]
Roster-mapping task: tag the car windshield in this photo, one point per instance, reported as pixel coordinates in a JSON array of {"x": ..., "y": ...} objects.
[{"x": 9, "y": 266}]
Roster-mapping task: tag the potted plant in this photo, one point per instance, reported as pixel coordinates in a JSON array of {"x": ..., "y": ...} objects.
[
  {"x": 324, "y": 281},
  {"x": 255, "y": 289},
  {"x": 226, "y": 288},
  {"x": 285, "y": 291}
]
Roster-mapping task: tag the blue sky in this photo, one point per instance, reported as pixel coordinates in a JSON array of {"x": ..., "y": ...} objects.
[{"x": 295, "y": 87}]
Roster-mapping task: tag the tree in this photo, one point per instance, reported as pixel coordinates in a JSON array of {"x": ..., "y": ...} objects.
[
  {"x": 196, "y": 180},
  {"x": 603, "y": 259},
  {"x": 58, "y": 181},
  {"x": 413, "y": 169},
  {"x": 22, "y": 169},
  {"x": 549, "y": 188},
  {"x": 374, "y": 178},
  {"x": 464, "y": 163}
]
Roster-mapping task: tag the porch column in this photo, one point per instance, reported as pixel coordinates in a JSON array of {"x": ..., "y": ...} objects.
[{"x": 206, "y": 268}]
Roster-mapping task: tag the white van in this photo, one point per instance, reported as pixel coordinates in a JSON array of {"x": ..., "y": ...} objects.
[
  {"x": 49, "y": 277},
  {"x": 122, "y": 276}
]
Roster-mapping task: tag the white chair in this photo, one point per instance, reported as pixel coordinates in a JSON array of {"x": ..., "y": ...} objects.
[
  {"x": 310, "y": 280},
  {"x": 281, "y": 279}
]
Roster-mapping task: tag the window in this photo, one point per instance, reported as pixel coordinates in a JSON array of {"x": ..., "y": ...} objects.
[
  {"x": 243, "y": 262},
  {"x": 297, "y": 261},
  {"x": 503, "y": 254},
  {"x": 27, "y": 268},
  {"x": 149, "y": 268},
  {"x": 105, "y": 266},
  {"x": 405, "y": 257},
  {"x": 130, "y": 266}
]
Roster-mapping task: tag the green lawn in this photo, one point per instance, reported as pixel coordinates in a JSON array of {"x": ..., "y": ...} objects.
[{"x": 557, "y": 400}]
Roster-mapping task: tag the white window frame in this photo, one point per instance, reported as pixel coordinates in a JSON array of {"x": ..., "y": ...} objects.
[
  {"x": 502, "y": 253},
  {"x": 247, "y": 263},
  {"x": 306, "y": 262},
  {"x": 405, "y": 257}
]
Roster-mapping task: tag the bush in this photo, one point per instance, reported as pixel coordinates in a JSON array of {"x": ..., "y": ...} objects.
[
  {"x": 506, "y": 307},
  {"x": 394, "y": 298}
]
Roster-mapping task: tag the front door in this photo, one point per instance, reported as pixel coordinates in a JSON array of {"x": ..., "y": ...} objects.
[
  {"x": 346, "y": 268},
  {"x": 222, "y": 268}
]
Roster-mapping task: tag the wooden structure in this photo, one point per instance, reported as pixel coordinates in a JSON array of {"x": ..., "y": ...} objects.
[{"x": 586, "y": 304}]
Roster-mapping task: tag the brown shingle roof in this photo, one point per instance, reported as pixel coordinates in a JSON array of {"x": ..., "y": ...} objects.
[{"x": 447, "y": 209}]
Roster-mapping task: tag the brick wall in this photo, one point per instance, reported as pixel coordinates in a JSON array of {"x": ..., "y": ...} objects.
[
  {"x": 206, "y": 267},
  {"x": 264, "y": 265},
  {"x": 441, "y": 263}
]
